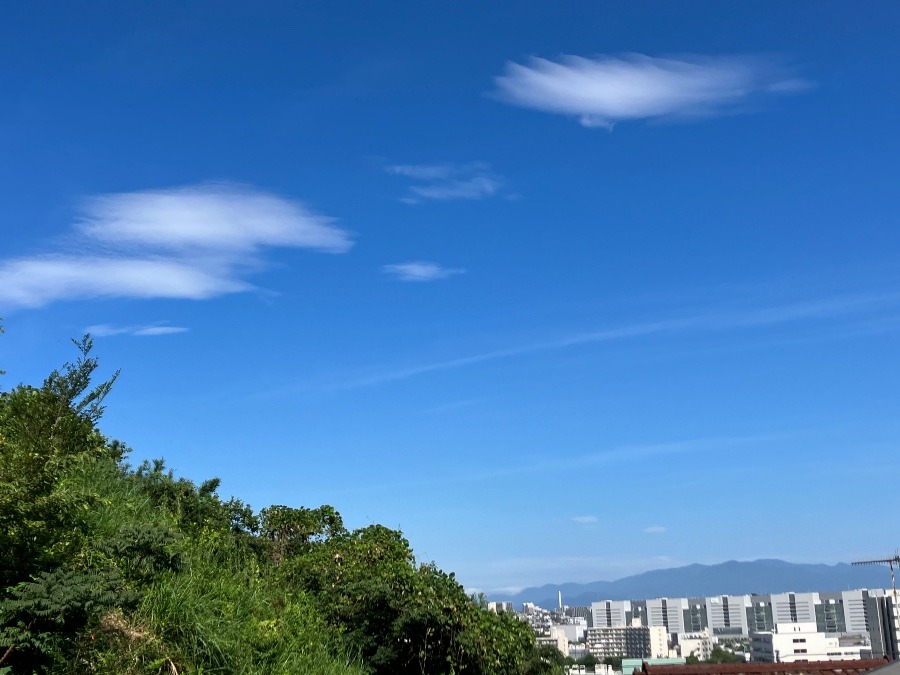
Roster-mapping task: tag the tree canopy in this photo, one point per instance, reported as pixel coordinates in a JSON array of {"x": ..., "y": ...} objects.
[{"x": 109, "y": 568}]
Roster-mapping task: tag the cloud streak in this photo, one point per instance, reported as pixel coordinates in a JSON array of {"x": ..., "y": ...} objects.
[
  {"x": 108, "y": 330},
  {"x": 420, "y": 271},
  {"x": 443, "y": 182},
  {"x": 655, "y": 529},
  {"x": 619, "y": 454},
  {"x": 814, "y": 310},
  {"x": 190, "y": 243},
  {"x": 585, "y": 520},
  {"x": 601, "y": 91}
]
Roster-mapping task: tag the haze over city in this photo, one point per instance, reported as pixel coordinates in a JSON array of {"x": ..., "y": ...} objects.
[{"x": 565, "y": 293}]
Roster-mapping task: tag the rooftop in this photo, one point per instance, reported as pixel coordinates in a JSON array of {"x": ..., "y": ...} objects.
[{"x": 849, "y": 667}]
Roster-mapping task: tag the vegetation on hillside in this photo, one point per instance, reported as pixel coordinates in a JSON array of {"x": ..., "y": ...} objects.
[{"x": 109, "y": 568}]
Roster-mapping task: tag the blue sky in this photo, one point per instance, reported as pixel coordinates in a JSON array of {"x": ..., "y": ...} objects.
[{"x": 564, "y": 292}]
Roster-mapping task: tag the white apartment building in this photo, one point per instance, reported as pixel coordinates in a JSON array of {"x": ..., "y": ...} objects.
[
  {"x": 556, "y": 638},
  {"x": 792, "y": 642},
  {"x": 700, "y": 644},
  {"x": 498, "y": 607},
  {"x": 575, "y": 631},
  {"x": 659, "y": 643},
  {"x": 640, "y": 642}
]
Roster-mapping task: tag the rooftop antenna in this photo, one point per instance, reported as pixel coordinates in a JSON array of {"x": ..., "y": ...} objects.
[{"x": 890, "y": 562}]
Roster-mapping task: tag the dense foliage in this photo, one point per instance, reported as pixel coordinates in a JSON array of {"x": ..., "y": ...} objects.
[
  {"x": 107, "y": 568},
  {"x": 717, "y": 655}
]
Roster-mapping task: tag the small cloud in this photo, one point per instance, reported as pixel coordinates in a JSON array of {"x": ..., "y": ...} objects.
[
  {"x": 585, "y": 520},
  {"x": 193, "y": 243},
  {"x": 107, "y": 330},
  {"x": 654, "y": 529},
  {"x": 423, "y": 171},
  {"x": 604, "y": 90},
  {"x": 420, "y": 271},
  {"x": 160, "y": 330},
  {"x": 474, "y": 180}
]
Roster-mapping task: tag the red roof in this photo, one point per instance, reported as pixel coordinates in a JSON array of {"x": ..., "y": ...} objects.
[{"x": 854, "y": 667}]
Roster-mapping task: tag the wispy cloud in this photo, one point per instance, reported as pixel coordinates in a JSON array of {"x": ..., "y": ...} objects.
[
  {"x": 473, "y": 180},
  {"x": 655, "y": 529},
  {"x": 620, "y": 454},
  {"x": 420, "y": 270},
  {"x": 604, "y": 90},
  {"x": 813, "y": 310},
  {"x": 193, "y": 243},
  {"x": 108, "y": 330},
  {"x": 585, "y": 520}
]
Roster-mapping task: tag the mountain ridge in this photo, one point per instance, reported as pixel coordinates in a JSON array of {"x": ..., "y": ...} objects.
[{"x": 732, "y": 577}]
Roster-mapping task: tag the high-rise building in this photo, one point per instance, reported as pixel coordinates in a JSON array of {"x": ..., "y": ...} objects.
[
  {"x": 743, "y": 615},
  {"x": 728, "y": 615},
  {"x": 610, "y": 613},
  {"x": 883, "y": 614},
  {"x": 668, "y": 613}
]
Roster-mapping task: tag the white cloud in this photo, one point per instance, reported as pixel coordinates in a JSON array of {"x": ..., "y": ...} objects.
[
  {"x": 422, "y": 171},
  {"x": 655, "y": 529},
  {"x": 215, "y": 217},
  {"x": 606, "y": 89},
  {"x": 420, "y": 271},
  {"x": 585, "y": 520},
  {"x": 474, "y": 180},
  {"x": 108, "y": 330},
  {"x": 192, "y": 243}
]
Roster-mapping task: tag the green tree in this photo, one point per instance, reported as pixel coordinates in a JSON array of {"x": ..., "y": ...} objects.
[
  {"x": 615, "y": 662},
  {"x": 109, "y": 569},
  {"x": 719, "y": 655},
  {"x": 47, "y": 587}
]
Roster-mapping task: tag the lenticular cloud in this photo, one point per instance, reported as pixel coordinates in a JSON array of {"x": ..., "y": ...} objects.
[
  {"x": 191, "y": 243},
  {"x": 604, "y": 90},
  {"x": 209, "y": 217}
]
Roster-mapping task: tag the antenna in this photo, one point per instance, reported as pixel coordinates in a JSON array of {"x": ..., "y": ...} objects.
[{"x": 895, "y": 560}]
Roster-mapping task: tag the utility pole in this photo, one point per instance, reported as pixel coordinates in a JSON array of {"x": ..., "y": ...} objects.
[{"x": 890, "y": 562}]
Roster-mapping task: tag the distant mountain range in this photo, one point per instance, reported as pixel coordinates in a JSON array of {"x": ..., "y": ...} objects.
[{"x": 727, "y": 578}]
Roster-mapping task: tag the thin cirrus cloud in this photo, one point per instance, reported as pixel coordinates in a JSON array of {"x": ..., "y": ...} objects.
[
  {"x": 193, "y": 243},
  {"x": 420, "y": 270},
  {"x": 585, "y": 520},
  {"x": 655, "y": 529},
  {"x": 607, "y": 89},
  {"x": 151, "y": 330},
  {"x": 848, "y": 307},
  {"x": 443, "y": 182}
]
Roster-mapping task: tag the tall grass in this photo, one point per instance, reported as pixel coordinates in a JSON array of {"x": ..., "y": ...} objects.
[{"x": 218, "y": 612}]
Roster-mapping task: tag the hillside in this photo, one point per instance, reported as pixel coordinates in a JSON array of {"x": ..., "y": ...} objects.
[{"x": 732, "y": 577}]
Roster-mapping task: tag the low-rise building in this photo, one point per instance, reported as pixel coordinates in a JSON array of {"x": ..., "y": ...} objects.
[
  {"x": 699, "y": 644},
  {"x": 802, "y": 642}
]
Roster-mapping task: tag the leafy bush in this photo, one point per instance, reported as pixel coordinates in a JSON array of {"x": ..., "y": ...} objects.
[{"x": 111, "y": 569}]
